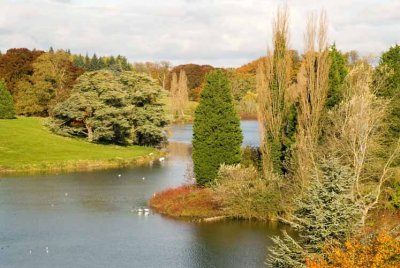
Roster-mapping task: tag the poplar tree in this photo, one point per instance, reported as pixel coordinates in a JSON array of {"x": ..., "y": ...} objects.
[
  {"x": 217, "y": 136},
  {"x": 275, "y": 105},
  {"x": 174, "y": 93},
  {"x": 182, "y": 92}
]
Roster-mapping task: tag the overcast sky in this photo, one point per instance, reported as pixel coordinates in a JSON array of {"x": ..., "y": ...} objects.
[{"x": 218, "y": 32}]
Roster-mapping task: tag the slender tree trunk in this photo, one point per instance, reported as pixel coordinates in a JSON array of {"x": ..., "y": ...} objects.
[{"x": 89, "y": 132}]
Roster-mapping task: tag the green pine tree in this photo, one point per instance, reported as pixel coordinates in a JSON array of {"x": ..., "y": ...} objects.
[
  {"x": 325, "y": 213},
  {"x": 217, "y": 136},
  {"x": 6, "y": 103},
  {"x": 337, "y": 73},
  {"x": 391, "y": 90}
]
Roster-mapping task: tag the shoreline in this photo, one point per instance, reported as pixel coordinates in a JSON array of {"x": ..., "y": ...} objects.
[{"x": 80, "y": 165}]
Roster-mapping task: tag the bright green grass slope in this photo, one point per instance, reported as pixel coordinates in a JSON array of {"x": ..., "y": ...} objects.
[{"x": 27, "y": 146}]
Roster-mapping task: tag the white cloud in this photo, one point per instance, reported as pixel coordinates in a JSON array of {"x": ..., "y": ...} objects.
[{"x": 218, "y": 32}]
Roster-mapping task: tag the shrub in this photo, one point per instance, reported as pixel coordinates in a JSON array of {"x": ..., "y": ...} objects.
[
  {"x": 186, "y": 201},
  {"x": 374, "y": 250},
  {"x": 241, "y": 193}
]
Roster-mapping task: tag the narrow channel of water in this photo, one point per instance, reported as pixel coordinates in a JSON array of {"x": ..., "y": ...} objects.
[{"x": 88, "y": 220}]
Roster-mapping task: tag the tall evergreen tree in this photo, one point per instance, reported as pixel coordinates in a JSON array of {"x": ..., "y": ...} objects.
[
  {"x": 390, "y": 66},
  {"x": 217, "y": 136},
  {"x": 6, "y": 103},
  {"x": 337, "y": 73}
]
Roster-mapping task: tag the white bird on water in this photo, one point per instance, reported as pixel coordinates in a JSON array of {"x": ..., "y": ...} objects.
[
  {"x": 47, "y": 250},
  {"x": 66, "y": 194},
  {"x": 146, "y": 210},
  {"x": 30, "y": 252},
  {"x": 161, "y": 159},
  {"x": 143, "y": 178},
  {"x": 119, "y": 175}
]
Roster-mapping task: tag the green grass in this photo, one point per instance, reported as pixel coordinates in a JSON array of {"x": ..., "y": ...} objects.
[{"x": 27, "y": 146}]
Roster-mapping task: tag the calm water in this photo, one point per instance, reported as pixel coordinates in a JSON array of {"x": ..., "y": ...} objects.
[{"x": 86, "y": 220}]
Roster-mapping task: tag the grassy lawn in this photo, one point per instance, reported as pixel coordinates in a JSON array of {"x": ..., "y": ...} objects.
[{"x": 26, "y": 145}]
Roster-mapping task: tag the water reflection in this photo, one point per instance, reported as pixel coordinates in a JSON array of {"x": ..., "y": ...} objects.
[{"x": 86, "y": 220}]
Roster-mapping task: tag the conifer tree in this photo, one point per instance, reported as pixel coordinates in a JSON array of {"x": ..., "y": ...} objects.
[
  {"x": 217, "y": 136},
  {"x": 389, "y": 71},
  {"x": 325, "y": 213},
  {"x": 337, "y": 73},
  {"x": 6, "y": 103}
]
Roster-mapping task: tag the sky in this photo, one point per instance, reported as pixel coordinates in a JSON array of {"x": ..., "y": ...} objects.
[{"x": 223, "y": 33}]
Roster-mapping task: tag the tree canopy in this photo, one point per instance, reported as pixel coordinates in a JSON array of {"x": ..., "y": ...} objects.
[
  {"x": 52, "y": 78},
  {"x": 113, "y": 107}
]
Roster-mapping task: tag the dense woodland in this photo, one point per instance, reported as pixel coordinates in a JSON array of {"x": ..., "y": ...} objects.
[{"x": 328, "y": 164}]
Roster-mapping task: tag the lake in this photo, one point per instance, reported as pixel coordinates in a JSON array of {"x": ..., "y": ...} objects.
[{"x": 88, "y": 219}]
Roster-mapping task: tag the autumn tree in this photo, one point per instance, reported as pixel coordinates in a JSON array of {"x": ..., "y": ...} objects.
[
  {"x": 52, "y": 78},
  {"x": 6, "y": 103},
  {"x": 275, "y": 114},
  {"x": 113, "y": 107},
  {"x": 217, "y": 136},
  {"x": 195, "y": 75},
  {"x": 313, "y": 87},
  {"x": 157, "y": 70},
  {"x": 16, "y": 65},
  {"x": 182, "y": 96}
]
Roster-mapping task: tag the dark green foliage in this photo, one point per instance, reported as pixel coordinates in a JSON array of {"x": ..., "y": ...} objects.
[
  {"x": 217, "y": 136},
  {"x": 337, "y": 74},
  {"x": 389, "y": 69},
  {"x": 394, "y": 192},
  {"x": 95, "y": 63},
  {"x": 6, "y": 103},
  {"x": 251, "y": 156},
  {"x": 108, "y": 107},
  {"x": 387, "y": 84},
  {"x": 325, "y": 213}
]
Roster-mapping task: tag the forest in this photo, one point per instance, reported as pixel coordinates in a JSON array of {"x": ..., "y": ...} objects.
[{"x": 328, "y": 164}]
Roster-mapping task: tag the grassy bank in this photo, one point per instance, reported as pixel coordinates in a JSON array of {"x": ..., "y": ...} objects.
[
  {"x": 187, "y": 202},
  {"x": 27, "y": 146}
]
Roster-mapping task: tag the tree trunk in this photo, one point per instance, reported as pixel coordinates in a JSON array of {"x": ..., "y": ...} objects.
[{"x": 89, "y": 132}]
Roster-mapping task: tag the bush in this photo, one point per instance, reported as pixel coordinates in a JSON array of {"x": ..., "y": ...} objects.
[
  {"x": 186, "y": 201},
  {"x": 251, "y": 156},
  {"x": 241, "y": 193}
]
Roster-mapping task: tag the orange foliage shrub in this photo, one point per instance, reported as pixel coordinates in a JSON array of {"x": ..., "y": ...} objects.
[
  {"x": 186, "y": 201},
  {"x": 376, "y": 250}
]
